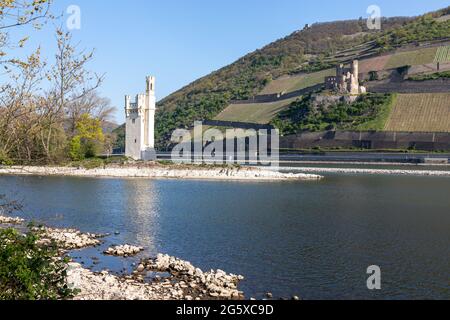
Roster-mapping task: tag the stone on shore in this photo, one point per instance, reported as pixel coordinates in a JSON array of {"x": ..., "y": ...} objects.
[
  {"x": 11, "y": 220},
  {"x": 124, "y": 251},
  {"x": 179, "y": 286},
  {"x": 215, "y": 284},
  {"x": 105, "y": 286},
  {"x": 68, "y": 239}
]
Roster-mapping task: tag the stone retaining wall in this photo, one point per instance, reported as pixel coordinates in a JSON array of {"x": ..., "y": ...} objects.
[
  {"x": 430, "y": 86},
  {"x": 268, "y": 98},
  {"x": 368, "y": 140}
]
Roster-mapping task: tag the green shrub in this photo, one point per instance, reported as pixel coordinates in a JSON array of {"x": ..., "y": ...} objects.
[
  {"x": 432, "y": 76},
  {"x": 5, "y": 160},
  {"x": 90, "y": 149},
  {"x": 29, "y": 271},
  {"x": 75, "y": 149}
]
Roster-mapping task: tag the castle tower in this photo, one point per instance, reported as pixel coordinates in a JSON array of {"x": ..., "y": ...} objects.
[
  {"x": 354, "y": 82},
  {"x": 140, "y": 124},
  {"x": 355, "y": 69}
]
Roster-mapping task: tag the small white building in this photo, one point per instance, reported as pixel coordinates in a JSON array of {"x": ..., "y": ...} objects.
[{"x": 140, "y": 124}]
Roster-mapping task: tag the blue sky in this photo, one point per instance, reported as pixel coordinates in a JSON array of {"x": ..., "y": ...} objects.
[{"x": 179, "y": 41}]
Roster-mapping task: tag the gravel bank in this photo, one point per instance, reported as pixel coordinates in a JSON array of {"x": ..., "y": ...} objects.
[
  {"x": 195, "y": 173},
  {"x": 432, "y": 173}
]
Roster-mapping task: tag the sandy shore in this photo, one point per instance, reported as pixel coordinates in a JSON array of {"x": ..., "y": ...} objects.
[
  {"x": 155, "y": 172},
  {"x": 398, "y": 172}
]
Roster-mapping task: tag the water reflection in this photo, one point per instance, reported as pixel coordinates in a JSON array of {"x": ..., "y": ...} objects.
[{"x": 141, "y": 200}]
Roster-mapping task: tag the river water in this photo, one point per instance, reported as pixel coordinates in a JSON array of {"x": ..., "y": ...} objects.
[{"x": 311, "y": 239}]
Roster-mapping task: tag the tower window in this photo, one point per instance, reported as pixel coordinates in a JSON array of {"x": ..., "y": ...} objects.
[
  {"x": 134, "y": 121},
  {"x": 135, "y": 140}
]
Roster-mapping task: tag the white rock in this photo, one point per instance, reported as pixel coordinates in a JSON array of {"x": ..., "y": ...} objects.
[{"x": 10, "y": 220}]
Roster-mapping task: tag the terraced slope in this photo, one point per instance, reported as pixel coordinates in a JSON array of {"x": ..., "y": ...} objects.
[
  {"x": 425, "y": 56},
  {"x": 261, "y": 113},
  {"x": 412, "y": 58},
  {"x": 443, "y": 54},
  {"x": 374, "y": 64},
  {"x": 293, "y": 83},
  {"x": 420, "y": 113}
]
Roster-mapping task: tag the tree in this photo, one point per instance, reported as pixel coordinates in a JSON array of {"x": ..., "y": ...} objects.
[
  {"x": 88, "y": 139},
  {"x": 98, "y": 107},
  {"x": 19, "y": 106},
  {"x": 39, "y": 125},
  {"x": 20, "y": 110},
  {"x": 19, "y": 13},
  {"x": 71, "y": 82}
]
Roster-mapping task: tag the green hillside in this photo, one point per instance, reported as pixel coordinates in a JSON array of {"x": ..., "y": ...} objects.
[{"x": 312, "y": 50}]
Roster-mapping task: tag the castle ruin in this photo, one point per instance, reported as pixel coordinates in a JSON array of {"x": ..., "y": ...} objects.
[{"x": 346, "y": 80}]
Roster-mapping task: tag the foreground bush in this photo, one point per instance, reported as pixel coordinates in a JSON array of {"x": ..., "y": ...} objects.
[
  {"x": 5, "y": 160},
  {"x": 29, "y": 271}
]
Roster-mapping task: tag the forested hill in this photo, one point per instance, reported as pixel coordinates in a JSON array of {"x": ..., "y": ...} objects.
[{"x": 311, "y": 49}]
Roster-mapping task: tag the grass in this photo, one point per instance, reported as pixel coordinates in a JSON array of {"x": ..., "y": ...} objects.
[
  {"x": 412, "y": 58},
  {"x": 293, "y": 83},
  {"x": 431, "y": 76},
  {"x": 379, "y": 123},
  {"x": 260, "y": 113},
  {"x": 420, "y": 113}
]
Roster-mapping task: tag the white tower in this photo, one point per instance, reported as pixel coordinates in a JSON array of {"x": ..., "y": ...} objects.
[{"x": 140, "y": 124}]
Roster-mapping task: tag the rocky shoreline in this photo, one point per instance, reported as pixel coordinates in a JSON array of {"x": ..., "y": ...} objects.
[
  {"x": 123, "y": 251},
  {"x": 183, "y": 282},
  {"x": 11, "y": 221},
  {"x": 67, "y": 239},
  {"x": 393, "y": 172},
  {"x": 175, "y": 280},
  {"x": 161, "y": 172}
]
